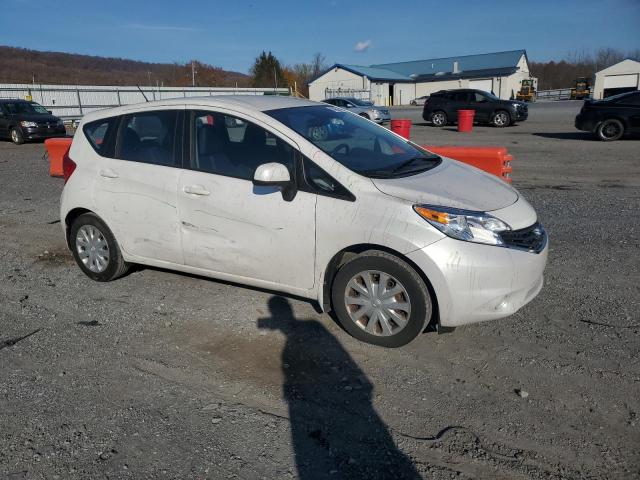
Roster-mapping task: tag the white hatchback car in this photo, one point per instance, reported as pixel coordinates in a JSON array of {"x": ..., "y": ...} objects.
[{"x": 303, "y": 198}]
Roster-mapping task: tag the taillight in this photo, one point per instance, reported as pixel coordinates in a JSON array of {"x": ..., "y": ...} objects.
[{"x": 68, "y": 167}]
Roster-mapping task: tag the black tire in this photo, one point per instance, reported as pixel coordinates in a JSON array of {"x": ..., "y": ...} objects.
[
  {"x": 438, "y": 118},
  {"x": 365, "y": 116},
  {"x": 116, "y": 266},
  {"x": 15, "y": 134},
  {"x": 610, "y": 130},
  {"x": 418, "y": 296},
  {"x": 501, "y": 119}
]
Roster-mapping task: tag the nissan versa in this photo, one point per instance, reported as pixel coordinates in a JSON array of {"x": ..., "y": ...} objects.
[{"x": 303, "y": 198}]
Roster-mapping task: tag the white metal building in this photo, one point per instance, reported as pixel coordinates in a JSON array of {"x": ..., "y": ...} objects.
[
  {"x": 399, "y": 83},
  {"x": 619, "y": 78}
]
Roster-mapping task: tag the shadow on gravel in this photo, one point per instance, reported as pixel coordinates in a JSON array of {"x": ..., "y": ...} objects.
[
  {"x": 566, "y": 135},
  {"x": 336, "y": 433}
]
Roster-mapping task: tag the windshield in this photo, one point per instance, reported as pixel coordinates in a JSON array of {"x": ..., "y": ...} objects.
[
  {"x": 25, "y": 107},
  {"x": 358, "y": 144},
  {"x": 361, "y": 103}
]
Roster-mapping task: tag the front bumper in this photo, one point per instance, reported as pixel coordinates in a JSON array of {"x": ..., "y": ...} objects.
[
  {"x": 521, "y": 115},
  {"x": 475, "y": 283},
  {"x": 41, "y": 133}
]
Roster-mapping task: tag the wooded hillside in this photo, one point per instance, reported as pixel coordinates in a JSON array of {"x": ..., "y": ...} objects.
[{"x": 20, "y": 65}]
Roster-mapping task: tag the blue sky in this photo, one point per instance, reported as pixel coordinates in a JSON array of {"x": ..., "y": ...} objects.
[{"x": 231, "y": 33}]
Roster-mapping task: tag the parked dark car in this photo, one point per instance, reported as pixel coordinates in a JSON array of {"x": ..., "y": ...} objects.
[
  {"x": 610, "y": 118},
  {"x": 442, "y": 108},
  {"x": 21, "y": 121}
]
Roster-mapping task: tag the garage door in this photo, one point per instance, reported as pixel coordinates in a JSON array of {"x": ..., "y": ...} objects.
[
  {"x": 621, "y": 81},
  {"x": 485, "y": 85}
]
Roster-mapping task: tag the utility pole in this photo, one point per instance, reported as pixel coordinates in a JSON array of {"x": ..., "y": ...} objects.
[
  {"x": 193, "y": 73},
  {"x": 275, "y": 77}
]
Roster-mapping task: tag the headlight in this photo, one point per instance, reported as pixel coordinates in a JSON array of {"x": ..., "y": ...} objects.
[
  {"x": 28, "y": 124},
  {"x": 377, "y": 113},
  {"x": 470, "y": 226}
]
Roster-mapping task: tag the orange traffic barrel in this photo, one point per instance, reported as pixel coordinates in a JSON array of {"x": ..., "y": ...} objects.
[
  {"x": 401, "y": 126},
  {"x": 465, "y": 120},
  {"x": 57, "y": 148}
]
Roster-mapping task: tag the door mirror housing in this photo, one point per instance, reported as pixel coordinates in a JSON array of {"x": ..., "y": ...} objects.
[
  {"x": 276, "y": 175},
  {"x": 49, "y": 112}
]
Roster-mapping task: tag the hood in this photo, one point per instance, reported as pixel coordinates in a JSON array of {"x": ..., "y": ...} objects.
[
  {"x": 37, "y": 117},
  {"x": 451, "y": 184}
]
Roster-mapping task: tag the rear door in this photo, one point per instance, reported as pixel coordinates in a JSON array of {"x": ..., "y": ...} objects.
[
  {"x": 136, "y": 191},
  {"x": 231, "y": 226},
  {"x": 458, "y": 101},
  {"x": 481, "y": 105},
  {"x": 632, "y": 106}
]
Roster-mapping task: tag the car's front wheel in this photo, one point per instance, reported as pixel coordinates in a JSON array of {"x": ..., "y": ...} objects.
[
  {"x": 501, "y": 119},
  {"x": 439, "y": 118},
  {"x": 380, "y": 299},
  {"x": 609, "y": 130},
  {"x": 16, "y": 136},
  {"x": 365, "y": 116},
  {"x": 95, "y": 249}
]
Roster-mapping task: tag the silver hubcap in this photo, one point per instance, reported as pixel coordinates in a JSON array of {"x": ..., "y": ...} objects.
[
  {"x": 377, "y": 303},
  {"x": 92, "y": 248},
  {"x": 501, "y": 119},
  {"x": 14, "y": 135},
  {"x": 438, "y": 119}
]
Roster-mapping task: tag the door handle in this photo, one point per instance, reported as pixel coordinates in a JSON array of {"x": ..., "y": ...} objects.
[
  {"x": 108, "y": 173},
  {"x": 196, "y": 190}
]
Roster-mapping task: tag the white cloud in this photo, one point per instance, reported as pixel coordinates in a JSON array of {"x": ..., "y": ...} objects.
[{"x": 362, "y": 46}]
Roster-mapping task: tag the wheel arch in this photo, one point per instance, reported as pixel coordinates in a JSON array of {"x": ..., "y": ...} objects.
[
  {"x": 70, "y": 218},
  {"x": 347, "y": 253}
]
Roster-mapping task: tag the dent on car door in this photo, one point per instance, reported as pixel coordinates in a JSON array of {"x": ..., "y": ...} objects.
[
  {"x": 136, "y": 191},
  {"x": 228, "y": 224}
]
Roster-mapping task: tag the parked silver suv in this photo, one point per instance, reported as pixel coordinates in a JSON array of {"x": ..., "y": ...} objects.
[{"x": 363, "y": 108}]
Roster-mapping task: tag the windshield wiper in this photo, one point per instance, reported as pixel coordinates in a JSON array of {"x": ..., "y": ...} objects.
[{"x": 406, "y": 163}]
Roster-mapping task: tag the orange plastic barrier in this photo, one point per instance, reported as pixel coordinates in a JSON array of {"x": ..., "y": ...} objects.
[
  {"x": 57, "y": 148},
  {"x": 493, "y": 160}
]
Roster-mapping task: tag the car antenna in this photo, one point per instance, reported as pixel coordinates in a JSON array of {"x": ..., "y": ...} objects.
[{"x": 145, "y": 97}]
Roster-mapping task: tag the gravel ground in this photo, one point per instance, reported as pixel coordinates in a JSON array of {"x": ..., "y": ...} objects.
[{"x": 165, "y": 375}]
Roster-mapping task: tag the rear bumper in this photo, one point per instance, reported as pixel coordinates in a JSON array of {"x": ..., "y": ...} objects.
[
  {"x": 475, "y": 283},
  {"x": 584, "y": 123}
]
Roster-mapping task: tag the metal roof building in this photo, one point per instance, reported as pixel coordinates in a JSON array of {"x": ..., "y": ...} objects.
[{"x": 399, "y": 83}]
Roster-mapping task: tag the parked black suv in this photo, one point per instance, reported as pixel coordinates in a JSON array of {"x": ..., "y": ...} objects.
[
  {"x": 442, "y": 108},
  {"x": 21, "y": 120},
  {"x": 612, "y": 117}
]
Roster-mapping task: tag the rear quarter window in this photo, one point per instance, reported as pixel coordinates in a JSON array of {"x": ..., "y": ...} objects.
[{"x": 99, "y": 134}]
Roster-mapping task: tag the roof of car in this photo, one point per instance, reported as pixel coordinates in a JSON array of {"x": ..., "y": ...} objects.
[
  {"x": 13, "y": 100},
  {"x": 259, "y": 103}
]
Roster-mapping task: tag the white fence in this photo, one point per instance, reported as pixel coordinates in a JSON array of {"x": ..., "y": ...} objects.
[
  {"x": 557, "y": 94},
  {"x": 73, "y": 101},
  {"x": 348, "y": 92}
]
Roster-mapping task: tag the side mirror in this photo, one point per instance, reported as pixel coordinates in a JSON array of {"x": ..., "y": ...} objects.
[
  {"x": 275, "y": 174},
  {"x": 348, "y": 105},
  {"x": 49, "y": 112}
]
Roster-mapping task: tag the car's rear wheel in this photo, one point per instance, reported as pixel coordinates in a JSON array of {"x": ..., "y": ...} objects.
[
  {"x": 609, "y": 130},
  {"x": 380, "y": 299},
  {"x": 501, "y": 119},
  {"x": 439, "y": 118},
  {"x": 16, "y": 136},
  {"x": 95, "y": 249}
]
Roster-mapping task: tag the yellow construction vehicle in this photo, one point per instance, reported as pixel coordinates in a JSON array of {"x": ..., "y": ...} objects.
[
  {"x": 527, "y": 92},
  {"x": 582, "y": 88}
]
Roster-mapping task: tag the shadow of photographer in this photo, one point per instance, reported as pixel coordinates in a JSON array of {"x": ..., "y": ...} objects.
[{"x": 336, "y": 432}]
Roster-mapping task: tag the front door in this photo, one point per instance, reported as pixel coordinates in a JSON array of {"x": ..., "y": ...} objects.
[
  {"x": 136, "y": 192},
  {"x": 229, "y": 225},
  {"x": 4, "y": 122}
]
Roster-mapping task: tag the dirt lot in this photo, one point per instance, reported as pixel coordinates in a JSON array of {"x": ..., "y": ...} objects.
[{"x": 164, "y": 375}]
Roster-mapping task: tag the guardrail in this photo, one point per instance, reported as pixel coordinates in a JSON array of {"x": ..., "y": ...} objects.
[{"x": 556, "y": 94}]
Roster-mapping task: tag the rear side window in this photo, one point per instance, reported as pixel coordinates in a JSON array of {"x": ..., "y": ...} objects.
[
  {"x": 100, "y": 133},
  {"x": 149, "y": 137}
]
